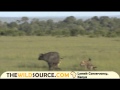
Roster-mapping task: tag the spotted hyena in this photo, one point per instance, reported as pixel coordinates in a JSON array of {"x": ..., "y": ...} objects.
[{"x": 87, "y": 64}]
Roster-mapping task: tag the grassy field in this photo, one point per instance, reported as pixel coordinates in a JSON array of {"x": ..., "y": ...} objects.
[{"x": 21, "y": 53}]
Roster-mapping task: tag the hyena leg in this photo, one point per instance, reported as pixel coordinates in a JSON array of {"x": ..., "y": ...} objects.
[
  {"x": 56, "y": 66},
  {"x": 59, "y": 63},
  {"x": 85, "y": 67},
  {"x": 89, "y": 67}
]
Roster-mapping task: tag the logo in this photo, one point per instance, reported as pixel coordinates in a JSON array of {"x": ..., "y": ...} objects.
[{"x": 73, "y": 74}]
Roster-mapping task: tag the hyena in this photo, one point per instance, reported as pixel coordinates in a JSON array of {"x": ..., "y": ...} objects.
[{"x": 87, "y": 64}]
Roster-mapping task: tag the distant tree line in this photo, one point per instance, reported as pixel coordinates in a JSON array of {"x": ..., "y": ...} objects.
[{"x": 70, "y": 26}]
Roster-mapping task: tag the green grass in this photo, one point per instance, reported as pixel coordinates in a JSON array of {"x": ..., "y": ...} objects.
[{"x": 21, "y": 53}]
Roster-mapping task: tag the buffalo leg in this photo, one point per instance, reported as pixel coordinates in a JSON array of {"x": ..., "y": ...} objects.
[{"x": 50, "y": 66}]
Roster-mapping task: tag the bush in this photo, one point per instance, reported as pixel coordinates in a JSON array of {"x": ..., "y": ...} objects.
[
  {"x": 111, "y": 34},
  {"x": 73, "y": 32}
]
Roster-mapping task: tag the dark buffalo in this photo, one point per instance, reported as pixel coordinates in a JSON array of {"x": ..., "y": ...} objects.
[{"x": 52, "y": 59}]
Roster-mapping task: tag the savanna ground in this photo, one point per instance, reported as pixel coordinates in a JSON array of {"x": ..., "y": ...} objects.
[{"x": 21, "y": 53}]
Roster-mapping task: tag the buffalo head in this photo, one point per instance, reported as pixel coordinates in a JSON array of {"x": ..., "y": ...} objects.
[{"x": 41, "y": 57}]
